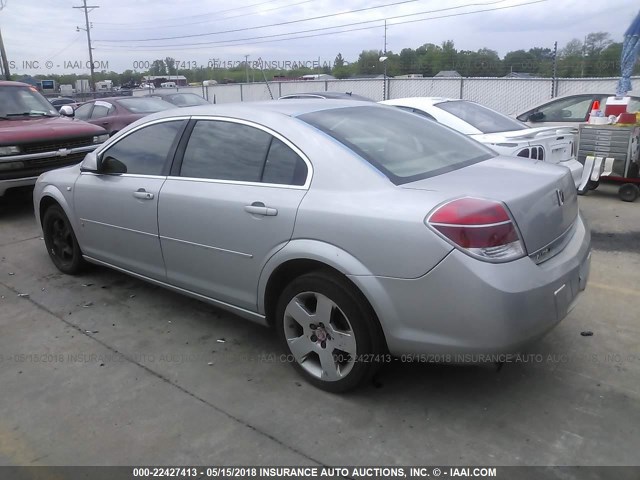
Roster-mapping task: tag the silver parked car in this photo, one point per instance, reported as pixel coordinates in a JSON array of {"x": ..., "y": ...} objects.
[{"x": 358, "y": 231}]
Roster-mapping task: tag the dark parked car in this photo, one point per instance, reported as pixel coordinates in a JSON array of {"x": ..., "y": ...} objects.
[
  {"x": 60, "y": 101},
  {"x": 180, "y": 99},
  {"x": 34, "y": 138},
  {"x": 115, "y": 113},
  {"x": 326, "y": 95}
]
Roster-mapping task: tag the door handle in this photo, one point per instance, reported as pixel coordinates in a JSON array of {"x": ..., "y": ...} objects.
[
  {"x": 142, "y": 194},
  {"x": 259, "y": 208}
]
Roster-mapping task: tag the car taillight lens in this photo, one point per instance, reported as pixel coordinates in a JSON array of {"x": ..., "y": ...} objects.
[{"x": 482, "y": 228}]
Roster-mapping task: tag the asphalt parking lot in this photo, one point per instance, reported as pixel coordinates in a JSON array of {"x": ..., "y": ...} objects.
[{"x": 103, "y": 369}]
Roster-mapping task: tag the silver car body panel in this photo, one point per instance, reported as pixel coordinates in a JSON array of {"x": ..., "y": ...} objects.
[{"x": 428, "y": 295}]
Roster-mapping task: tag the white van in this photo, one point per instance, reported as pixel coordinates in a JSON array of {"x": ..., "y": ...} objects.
[{"x": 168, "y": 85}]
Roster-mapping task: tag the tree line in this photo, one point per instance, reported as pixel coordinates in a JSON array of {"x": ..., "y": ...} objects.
[{"x": 594, "y": 56}]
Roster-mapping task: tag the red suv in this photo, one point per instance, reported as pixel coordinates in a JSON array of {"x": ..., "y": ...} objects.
[{"x": 34, "y": 138}]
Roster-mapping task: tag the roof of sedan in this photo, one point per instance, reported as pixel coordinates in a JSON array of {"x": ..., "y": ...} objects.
[
  {"x": 410, "y": 101},
  {"x": 291, "y": 108}
]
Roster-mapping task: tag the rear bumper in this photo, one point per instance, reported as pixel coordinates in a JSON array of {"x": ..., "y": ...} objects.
[
  {"x": 576, "y": 170},
  {"x": 468, "y": 306}
]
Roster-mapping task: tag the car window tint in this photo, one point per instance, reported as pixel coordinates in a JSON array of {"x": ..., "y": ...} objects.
[
  {"x": 83, "y": 111},
  {"x": 100, "y": 111},
  {"x": 403, "y": 146},
  {"x": 225, "y": 151},
  {"x": 145, "y": 151},
  {"x": 573, "y": 109},
  {"x": 284, "y": 166}
]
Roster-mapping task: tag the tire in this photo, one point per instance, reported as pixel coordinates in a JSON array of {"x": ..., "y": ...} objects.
[
  {"x": 335, "y": 349},
  {"x": 593, "y": 185},
  {"x": 61, "y": 241},
  {"x": 628, "y": 192}
]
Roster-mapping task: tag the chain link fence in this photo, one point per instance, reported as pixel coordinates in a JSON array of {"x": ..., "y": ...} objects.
[{"x": 506, "y": 95}]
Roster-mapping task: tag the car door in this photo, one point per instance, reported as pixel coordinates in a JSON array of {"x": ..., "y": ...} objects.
[
  {"x": 118, "y": 212},
  {"x": 101, "y": 115},
  {"x": 229, "y": 206}
]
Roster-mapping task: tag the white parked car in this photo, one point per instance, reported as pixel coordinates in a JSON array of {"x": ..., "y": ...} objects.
[{"x": 503, "y": 134}]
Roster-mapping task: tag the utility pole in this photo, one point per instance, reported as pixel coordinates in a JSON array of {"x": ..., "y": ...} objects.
[
  {"x": 5, "y": 62},
  {"x": 86, "y": 9},
  {"x": 246, "y": 66},
  {"x": 3, "y": 53}
]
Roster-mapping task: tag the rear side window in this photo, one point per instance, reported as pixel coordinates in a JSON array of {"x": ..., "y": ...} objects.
[
  {"x": 225, "y": 151},
  {"x": 403, "y": 146},
  {"x": 101, "y": 110},
  {"x": 145, "y": 151},
  {"x": 284, "y": 166},
  {"x": 83, "y": 111}
]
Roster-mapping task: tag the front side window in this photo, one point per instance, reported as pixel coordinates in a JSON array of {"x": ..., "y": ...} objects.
[
  {"x": 573, "y": 109},
  {"x": 403, "y": 146},
  {"x": 145, "y": 151}
]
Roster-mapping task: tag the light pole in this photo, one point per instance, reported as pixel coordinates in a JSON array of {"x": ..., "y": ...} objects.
[{"x": 384, "y": 85}]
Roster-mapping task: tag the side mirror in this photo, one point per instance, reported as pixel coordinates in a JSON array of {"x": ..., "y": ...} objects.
[
  {"x": 67, "y": 111},
  {"x": 111, "y": 165},
  {"x": 536, "y": 117},
  {"x": 90, "y": 163}
]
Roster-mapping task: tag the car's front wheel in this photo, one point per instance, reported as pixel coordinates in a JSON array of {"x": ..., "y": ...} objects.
[
  {"x": 329, "y": 331},
  {"x": 61, "y": 242}
]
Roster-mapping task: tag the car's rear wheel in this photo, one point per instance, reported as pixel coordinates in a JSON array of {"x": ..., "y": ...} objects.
[
  {"x": 330, "y": 332},
  {"x": 61, "y": 241}
]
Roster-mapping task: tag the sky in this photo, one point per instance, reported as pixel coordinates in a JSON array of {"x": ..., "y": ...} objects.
[{"x": 41, "y": 36}]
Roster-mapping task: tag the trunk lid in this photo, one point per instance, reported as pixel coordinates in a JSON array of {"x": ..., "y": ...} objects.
[
  {"x": 541, "y": 197},
  {"x": 556, "y": 141}
]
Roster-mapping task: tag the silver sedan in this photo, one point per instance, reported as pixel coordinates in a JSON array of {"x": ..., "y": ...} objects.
[{"x": 359, "y": 232}]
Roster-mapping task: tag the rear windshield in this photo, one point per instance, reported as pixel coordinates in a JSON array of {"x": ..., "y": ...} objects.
[
  {"x": 482, "y": 118},
  {"x": 145, "y": 105},
  {"x": 403, "y": 146},
  {"x": 186, "y": 99}
]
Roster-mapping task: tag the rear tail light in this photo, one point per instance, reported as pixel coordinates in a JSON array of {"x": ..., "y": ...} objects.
[{"x": 479, "y": 227}]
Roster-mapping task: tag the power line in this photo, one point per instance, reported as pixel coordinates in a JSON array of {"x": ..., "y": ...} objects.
[
  {"x": 319, "y": 17},
  {"x": 135, "y": 25},
  {"x": 155, "y": 27},
  {"x": 230, "y": 43},
  {"x": 319, "y": 29}
]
